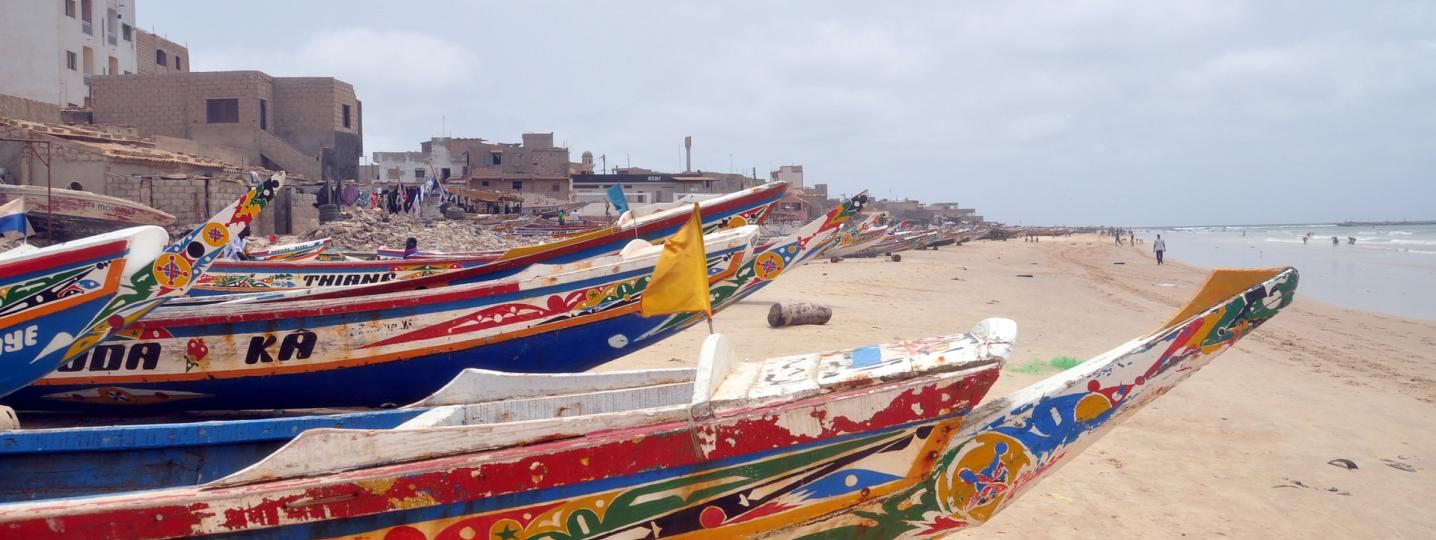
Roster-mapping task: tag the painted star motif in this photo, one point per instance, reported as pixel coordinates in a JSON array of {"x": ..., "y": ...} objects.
[{"x": 509, "y": 533}]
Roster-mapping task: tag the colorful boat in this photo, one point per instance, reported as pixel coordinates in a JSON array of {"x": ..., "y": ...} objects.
[
  {"x": 372, "y": 350},
  {"x": 746, "y": 447},
  {"x": 273, "y": 357},
  {"x": 300, "y": 251},
  {"x": 1009, "y": 444},
  {"x": 860, "y": 239},
  {"x": 80, "y": 213},
  {"x": 53, "y": 462},
  {"x": 57, "y": 303},
  {"x": 749, "y": 206}
]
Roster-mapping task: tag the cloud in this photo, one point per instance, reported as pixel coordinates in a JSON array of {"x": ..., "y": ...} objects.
[{"x": 372, "y": 60}]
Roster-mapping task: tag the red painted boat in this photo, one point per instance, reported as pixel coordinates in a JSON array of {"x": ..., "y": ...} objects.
[{"x": 81, "y": 213}]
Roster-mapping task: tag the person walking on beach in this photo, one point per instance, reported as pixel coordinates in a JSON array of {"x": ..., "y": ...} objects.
[
  {"x": 1159, "y": 246},
  {"x": 1335, "y": 242}
]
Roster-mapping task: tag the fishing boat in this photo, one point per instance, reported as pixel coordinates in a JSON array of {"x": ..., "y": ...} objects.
[
  {"x": 57, "y": 303},
  {"x": 76, "y": 214},
  {"x": 65, "y": 455},
  {"x": 1010, "y": 444},
  {"x": 371, "y": 350},
  {"x": 397, "y": 343},
  {"x": 749, "y": 206},
  {"x": 744, "y": 447},
  {"x": 875, "y": 442},
  {"x": 300, "y": 251},
  {"x": 860, "y": 238}
]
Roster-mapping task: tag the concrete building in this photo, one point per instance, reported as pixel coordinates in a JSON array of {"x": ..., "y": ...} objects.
[
  {"x": 52, "y": 48},
  {"x": 122, "y": 164},
  {"x": 155, "y": 54},
  {"x": 312, "y": 127},
  {"x": 534, "y": 169},
  {"x": 792, "y": 174}
]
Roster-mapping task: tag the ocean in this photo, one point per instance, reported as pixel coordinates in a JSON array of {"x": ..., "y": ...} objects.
[{"x": 1390, "y": 269}]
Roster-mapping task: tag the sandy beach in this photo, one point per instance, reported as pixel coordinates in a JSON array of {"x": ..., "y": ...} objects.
[{"x": 1240, "y": 450}]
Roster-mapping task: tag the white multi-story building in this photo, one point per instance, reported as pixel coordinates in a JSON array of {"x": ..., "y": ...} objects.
[
  {"x": 792, "y": 174},
  {"x": 52, "y": 47}
]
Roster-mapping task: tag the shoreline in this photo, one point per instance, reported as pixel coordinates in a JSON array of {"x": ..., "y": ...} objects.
[{"x": 1319, "y": 382}]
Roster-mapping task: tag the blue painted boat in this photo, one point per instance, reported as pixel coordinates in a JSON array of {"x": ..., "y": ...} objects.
[
  {"x": 746, "y": 207},
  {"x": 385, "y": 349},
  {"x": 55, "y": 462},
  {"x": 56, "y": 303}
]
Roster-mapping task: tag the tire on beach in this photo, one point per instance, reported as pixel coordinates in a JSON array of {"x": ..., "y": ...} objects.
[
  {"x": 328, "y": 212},
  {"x": 895, "y": 257}
]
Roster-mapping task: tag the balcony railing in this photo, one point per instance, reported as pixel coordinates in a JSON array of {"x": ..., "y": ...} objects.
[{"x": 87, "y": 27}]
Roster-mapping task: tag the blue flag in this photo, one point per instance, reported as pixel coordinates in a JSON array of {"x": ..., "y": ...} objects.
[
  {"x": 615, "y": 196},
  {"x": 12, "y": 219}
]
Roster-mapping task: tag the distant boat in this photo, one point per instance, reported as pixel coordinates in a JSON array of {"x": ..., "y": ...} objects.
[{"x": 81, "y": 213}]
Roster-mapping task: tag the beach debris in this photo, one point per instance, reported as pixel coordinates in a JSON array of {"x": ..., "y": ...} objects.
[
  {"x": 780, "y": 315},
  {"x": 895, "y": 257},
  {"x": 366, "y": 230},
  {"x": 1344, "y": 463},
  {"x": 1024, "y": 275},
  {"x": 1119, "y": 262},
  {"x": 1167, "y": 285},
  {"x": 1298, "y": 484},
  {"x": 1399, "y": 465}
]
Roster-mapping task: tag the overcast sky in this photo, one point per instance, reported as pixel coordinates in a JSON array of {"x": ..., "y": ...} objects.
[{"x": 1070, "y": 112}]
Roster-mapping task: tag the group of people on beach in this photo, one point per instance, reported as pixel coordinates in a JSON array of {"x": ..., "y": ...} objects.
[
  {"x": 1159, "y": 246},
  {"x": 1350, "y": 240}
]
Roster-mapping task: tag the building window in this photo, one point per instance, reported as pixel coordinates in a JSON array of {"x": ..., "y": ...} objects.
[
  {"x": 160, "y": 57},
  {"x": 264, "y": 115},
  {"x": 555, "y": 186},
  {"x": 444, "y": 173},
  {"x": 496, "y": 157},
  {"x": 128, "y": 32},
  {"x": 178, "y": 67},
  {"x": 393, "y": 173},
  {"x": 69, "y": 8},
  {"x": 518, "y": 185},
  {"x": 345, "y": 110},
  {"x": 72, "y": 61},
  {"x": 222, "y": 111},
  {"x": 419, "y": 174},
  {"x": 486, "y": 183}
]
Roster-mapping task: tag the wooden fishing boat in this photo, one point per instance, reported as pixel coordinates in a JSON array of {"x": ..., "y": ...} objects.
[
  {"x": 300, "y": 251},
  {"x": 397, "y": 343},
  {"x": 57, "y": 303},
  {"x": 81, "y": 213},
  {"x": 388, "y": 253},
  {"x": 1009, "y": 444},
  {"x": 70, "y": 456},
  {"x": 374, "y": 350},
  {"x": 859, "y": 240},
  {"x": 745, "y": 447},
  {"x": 735, "y": 209},
  {"x": 50, "y": 295}
]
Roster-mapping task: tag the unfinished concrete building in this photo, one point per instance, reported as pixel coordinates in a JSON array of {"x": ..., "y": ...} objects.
[{"x": 309, "y": 126}]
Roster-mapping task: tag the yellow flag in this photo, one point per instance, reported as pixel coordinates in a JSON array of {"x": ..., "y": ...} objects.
[{"x": 680, "y": 281}]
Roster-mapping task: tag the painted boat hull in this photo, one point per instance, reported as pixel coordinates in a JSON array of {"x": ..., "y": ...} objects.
[
  {"x": 1010, "y": 444},
  {"x": 230, "y": 277},
  {"x": 333, "y": 369},
  {"x": 301, "y": 251},
  {"x": 761, "y": 446},
  {"x": 388, "y": 350}
]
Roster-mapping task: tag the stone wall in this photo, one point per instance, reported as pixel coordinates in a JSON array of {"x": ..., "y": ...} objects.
[{"x": 29, "y": 109}]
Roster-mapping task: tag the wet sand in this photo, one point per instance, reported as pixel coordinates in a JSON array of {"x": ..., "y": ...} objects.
[{"x": 1226, "y": 453}]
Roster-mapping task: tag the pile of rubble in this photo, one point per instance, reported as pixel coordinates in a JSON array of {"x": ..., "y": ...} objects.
[{"x": 366, "y": 230}]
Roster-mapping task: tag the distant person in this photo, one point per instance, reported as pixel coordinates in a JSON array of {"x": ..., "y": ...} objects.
[
  {"x": 1335, "y": 242},
  {"x": 1305, "y": 238},
  {"x": 1351, "y": 240},
  {"x": 237, "y": 245},
  {"x": 411, "y": 247},
  {"x": 1159, "y": 246},
  {"x": 560, "y": 217},
  {"x": 1132, "y": 237}
]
